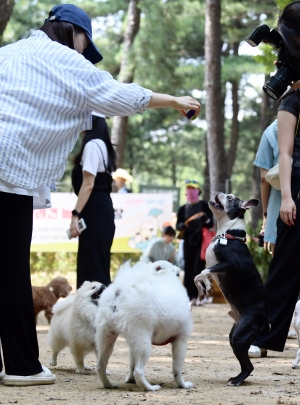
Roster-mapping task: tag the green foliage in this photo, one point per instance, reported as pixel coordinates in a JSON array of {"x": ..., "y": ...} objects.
[
  {"x": 261, "y": 257},
  {"x": 44, "y": 266}
]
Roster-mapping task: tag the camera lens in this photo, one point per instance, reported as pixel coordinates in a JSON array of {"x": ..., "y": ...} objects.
[{"x": 277, "y": 84}]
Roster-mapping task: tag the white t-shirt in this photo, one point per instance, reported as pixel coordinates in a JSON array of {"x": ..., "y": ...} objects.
[{"x": 92, "y": 158}]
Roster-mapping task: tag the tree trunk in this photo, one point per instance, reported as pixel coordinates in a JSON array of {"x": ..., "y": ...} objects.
[
  {"x": 205, "y": 187},
  {"x": 6, "y": 9},
  {"x": 215, "y": 135},
  {"x": 234, "y": 122},
  {"x": 120, "y": 124}
]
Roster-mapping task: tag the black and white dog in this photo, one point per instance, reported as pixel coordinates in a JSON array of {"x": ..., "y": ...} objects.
[{"x": 230, "y": 264}]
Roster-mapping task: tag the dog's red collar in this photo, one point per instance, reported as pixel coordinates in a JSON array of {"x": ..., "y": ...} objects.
[
  {"x": 242, "y": 239},
  {"x": 228, "y": 236},
  {"x": 170, "y": 340}
]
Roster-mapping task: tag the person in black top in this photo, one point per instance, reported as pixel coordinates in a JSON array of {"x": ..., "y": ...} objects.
[
  {"x": 283, "y": 283},
  {"x": 92, "y": 182},
  {"x": 191, "y": 218}
]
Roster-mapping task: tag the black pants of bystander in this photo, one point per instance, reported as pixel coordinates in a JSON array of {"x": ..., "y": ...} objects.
[{"x": 17, "y": 325}]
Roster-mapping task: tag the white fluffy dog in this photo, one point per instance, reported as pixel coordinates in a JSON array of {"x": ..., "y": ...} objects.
[
  {"x": 296, "y": 326},
  {"x": 148, "y": 305},
  {"x": 72, "y": 324}
]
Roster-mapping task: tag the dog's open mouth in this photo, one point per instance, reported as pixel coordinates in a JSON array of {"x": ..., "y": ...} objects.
[
  {"x": 217, "y": 204},
  {"x": 97, "y": 294}
]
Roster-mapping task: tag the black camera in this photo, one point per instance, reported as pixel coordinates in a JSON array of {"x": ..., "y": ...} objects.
[
  {"x": 261, "y": 239},
  {"x": 288, "y": 65}
]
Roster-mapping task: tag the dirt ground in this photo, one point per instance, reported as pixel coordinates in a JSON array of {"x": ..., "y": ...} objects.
[{"x": 209, "y": 363}]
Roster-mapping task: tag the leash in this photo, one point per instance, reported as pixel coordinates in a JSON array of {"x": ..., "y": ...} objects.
[{"x": 224, "y": 236}]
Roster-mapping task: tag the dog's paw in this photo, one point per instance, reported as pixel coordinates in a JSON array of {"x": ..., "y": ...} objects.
[
  {"x": 130, "y": 379},
  {"x": 295, "y": 365},
  {"x": 111, "y": 386},
  {"x": 53, "y": 362},
  {"x": 80, "y": 370},
  {"x": 154, "y": 388},
  {"x": 88, "y": 368},
  {"x": 108, "y": 372},
  {"x": 186, "y": 384},
  {"x": 235, "y": 381}
]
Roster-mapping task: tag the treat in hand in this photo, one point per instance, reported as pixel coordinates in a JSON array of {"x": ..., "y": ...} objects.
[{"x": 191, "y": 115}]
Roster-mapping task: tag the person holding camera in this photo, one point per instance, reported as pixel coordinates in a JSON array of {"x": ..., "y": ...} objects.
[
  {"x": 49, "y": 88},
  {"x": 283, "y": 282}
]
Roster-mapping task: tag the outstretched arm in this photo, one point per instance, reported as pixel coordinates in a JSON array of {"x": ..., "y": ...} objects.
[{"x": 179, "y": 103}]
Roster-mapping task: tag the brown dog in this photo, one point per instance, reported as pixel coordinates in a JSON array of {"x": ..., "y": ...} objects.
[{"x": 45, "y": 297}]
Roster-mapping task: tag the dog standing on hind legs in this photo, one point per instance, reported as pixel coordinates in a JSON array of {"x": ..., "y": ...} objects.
[{"x": 230, "y": 264}]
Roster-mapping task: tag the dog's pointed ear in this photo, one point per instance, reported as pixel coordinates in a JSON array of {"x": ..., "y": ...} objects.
[{"x": 250, "y": 204}]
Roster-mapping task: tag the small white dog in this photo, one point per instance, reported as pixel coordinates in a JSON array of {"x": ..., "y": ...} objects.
[
  {"x": 148, "y": 305},
  {"x": 296, "y": 326},
  {"x": 72, "y": 324}
]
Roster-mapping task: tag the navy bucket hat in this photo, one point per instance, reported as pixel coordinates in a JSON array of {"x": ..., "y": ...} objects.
[{"x": 75, "y": 15}]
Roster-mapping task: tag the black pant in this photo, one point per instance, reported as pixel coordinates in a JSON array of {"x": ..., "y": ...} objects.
[
  {"x": 192, "y": 266},
  {"x": 93, "y": 258},
  {"x": 283, "y": 282},
  {"x": 17, "y": 324}
]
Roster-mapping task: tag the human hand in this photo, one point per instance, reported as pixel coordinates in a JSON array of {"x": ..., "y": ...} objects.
[
  {"x": 295, "y": 85},
  {"x": 74, "y": 227},
  {"x": 185, "y": 103},
  {"x": 288, "y": 211},
  {"x": 263, "y": 227}
]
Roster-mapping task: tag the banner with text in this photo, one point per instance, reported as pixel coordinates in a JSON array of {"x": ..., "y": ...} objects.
[{"x": 139, "y": 218}]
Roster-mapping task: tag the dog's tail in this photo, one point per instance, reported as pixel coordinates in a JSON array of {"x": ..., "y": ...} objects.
[{"x": 62, "y": 305}]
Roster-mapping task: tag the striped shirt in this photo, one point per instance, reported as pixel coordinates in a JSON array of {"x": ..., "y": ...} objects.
[{"x": 48, "y": 92}]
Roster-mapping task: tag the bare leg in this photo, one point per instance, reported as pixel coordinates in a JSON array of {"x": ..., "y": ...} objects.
[
  {"x": 105, "y": 341},
  {"x": 178, "y": 355}
]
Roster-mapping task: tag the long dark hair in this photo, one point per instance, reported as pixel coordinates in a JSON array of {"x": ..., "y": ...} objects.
[
  {"x": 289, "y": 27},
  {"x": 61, "y": 32},
  {"x": 99, "y": 131}
]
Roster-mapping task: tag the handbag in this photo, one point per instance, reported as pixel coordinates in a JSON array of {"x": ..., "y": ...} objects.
[
  {"x": 272, "y": 177},
  {"x": 207, "y": 235}
]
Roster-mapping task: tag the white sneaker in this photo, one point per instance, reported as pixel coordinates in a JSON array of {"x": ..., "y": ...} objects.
[
  {"x": 256, "y": 351},
  {"x": 45, "y": 377}
]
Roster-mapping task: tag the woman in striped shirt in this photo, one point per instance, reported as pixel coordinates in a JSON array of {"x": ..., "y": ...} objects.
[{"x": 49, "y": 88}]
